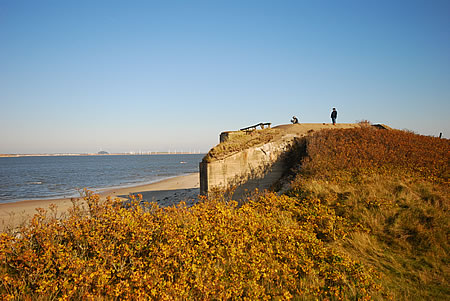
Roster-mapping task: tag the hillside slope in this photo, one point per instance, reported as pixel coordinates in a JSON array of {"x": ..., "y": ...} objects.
[
  {"x": 395, "y": 186},
  {"x": 365, "y": 217}
]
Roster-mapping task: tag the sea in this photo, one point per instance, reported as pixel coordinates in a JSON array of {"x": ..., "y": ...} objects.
[{"x": 48, "y": 177}]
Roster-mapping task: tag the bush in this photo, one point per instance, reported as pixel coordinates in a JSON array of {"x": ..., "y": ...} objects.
[
  {"x": 267, "y": 248},
  {"x": 359, "y": 152},
  {"x": 394, "y": 186},
  {"x": 366, "y": 217}
]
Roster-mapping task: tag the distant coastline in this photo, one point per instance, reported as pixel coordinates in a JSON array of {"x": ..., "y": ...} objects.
[
  {"x": 97, "y": 154},
  {"x": 166, "y": 192},
  {"x": 57, "y": 176}
]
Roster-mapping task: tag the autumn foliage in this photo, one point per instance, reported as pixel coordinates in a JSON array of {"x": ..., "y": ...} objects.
[
  {"x": 395, "y": 186},
  {"x": 365, "y": 151},
  {"x": 215, "y": 250},
  {"x": 323, "y": 239}
]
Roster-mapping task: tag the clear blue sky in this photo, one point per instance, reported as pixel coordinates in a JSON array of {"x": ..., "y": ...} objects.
[{"x": 81, "y": 76}]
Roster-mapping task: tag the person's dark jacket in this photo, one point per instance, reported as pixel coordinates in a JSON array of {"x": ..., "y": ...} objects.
[{"x": 334, "y": 114}]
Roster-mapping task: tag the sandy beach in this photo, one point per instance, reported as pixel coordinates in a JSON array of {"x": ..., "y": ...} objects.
[{"x": 166, "y": 193}]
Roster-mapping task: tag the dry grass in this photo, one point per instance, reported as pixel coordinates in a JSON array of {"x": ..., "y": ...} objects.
[
  {"x": 240, "y": 142},
  {"x": 395, "y": 185},
  {"x": 366, "y": 218}
]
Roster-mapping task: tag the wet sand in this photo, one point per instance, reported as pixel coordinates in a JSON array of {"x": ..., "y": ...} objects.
[{"x": 166, "y": 193}]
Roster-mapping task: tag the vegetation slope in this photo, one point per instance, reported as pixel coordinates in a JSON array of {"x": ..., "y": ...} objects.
[
  {"x": 240, "y": 141},
  {"x": 395, "y": 185},
  {"x": 366, "y": 217}
]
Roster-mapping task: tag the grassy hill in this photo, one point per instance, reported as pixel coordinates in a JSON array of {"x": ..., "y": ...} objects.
[
  {"x": 394, "y": 186},
  {"x": 365, "y": 217}
]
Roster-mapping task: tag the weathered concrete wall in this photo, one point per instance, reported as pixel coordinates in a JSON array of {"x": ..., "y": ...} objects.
[
  {"x": 256, "y": 167},
  {"x": 259, "y": 167}
]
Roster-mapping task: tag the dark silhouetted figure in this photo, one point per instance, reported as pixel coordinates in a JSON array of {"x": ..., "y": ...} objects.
[
  {"x": 334, "y": 116},
  {"x": 294, "y": 120}
]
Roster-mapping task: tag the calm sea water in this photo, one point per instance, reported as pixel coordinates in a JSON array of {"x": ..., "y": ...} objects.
[{"x": 25, "y": 178}]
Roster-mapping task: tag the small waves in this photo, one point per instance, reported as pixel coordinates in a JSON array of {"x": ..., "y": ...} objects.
[{"x": 26, "y": 178}]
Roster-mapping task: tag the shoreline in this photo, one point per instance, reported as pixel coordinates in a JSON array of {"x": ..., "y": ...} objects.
[
  {"x": 165, "y": 192},
  {"x": 96, "y": 154},
  {"x": 96, "y": 190}
]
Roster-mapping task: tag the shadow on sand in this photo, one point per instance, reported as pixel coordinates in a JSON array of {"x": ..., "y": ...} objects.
[{"x": 166, "y": 198}]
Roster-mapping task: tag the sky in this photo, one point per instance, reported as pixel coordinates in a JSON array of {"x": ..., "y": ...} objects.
[{"x": 84, "y": 76}]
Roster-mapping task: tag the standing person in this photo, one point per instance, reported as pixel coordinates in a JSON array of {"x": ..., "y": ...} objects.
[{"x": 334, "y": 116}]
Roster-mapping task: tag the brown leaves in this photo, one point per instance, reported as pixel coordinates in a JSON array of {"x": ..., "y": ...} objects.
[
  {"x": 267, "y": 248},
  {"x": 351, "y": 153}
]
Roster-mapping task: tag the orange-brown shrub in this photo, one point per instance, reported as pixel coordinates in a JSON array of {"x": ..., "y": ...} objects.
[
  {"x": 267, "y": 248},
  {"x": 366, "y": 151},
  {"x": 392, "y": 187},
  {"x": 347, "y": 219}
]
